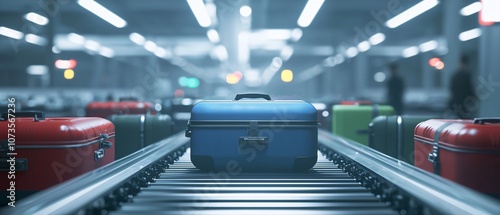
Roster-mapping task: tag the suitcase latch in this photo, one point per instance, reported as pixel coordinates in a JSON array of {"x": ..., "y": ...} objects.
[
  {"x": 433, "y": 157},
  {"x": 253, "y": 136},
  {"x": 103, "y": 144}
]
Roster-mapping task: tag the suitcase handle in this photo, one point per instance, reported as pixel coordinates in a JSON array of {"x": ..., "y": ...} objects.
[
  {"x": 486, "y": 120},
  {"x": 37, "y": 115},
  {"x": 252, "y": 96},
  {"x": 128, "y": 99}
]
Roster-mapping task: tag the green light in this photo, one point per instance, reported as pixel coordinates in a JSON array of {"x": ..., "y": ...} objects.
[
  {"x": 183, "y": 81},
  {"x": 193, "y": 83}
]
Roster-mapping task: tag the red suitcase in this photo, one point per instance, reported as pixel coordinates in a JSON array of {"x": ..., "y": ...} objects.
[
  {"x": 105, "y": 109},
  {"x": 464, "y": 151},
  {"x": 48, "y": 151}
]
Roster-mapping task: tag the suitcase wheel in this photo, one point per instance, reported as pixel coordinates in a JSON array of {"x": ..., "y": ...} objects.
[{"x": 304, "y": 163}]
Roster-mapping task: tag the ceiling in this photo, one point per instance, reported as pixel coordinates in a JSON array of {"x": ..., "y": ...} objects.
[{"x": 172, "y": 26}]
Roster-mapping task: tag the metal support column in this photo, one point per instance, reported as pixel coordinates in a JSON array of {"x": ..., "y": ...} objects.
[{"x": 488, "y": 81}]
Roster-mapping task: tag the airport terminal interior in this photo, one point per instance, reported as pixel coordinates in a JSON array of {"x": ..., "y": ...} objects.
[{"x": 250, "y": 107}]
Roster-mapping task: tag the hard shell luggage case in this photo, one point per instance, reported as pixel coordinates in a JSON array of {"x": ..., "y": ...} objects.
[
  {"x": 47, "y": 151},
  {"x": 134, "y": 132},
  {"x": 105, "y": 109},
  {"x": 393, "y": 135},
  {"x": 464, "y": 151},
  {"x": 351, "y": 121},
  {"x": 253, "y": 135}
]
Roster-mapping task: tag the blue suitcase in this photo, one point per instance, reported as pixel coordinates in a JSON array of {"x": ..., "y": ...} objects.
[{"x": 253, "y": 134}]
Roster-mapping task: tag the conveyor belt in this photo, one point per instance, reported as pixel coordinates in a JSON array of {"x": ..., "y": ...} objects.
[
  {"x": 325, "y": 189},
  {"x": 349, "y": 179}
]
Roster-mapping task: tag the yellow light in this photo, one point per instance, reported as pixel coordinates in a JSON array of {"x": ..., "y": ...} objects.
[
  {"x": 232, "y": 78},
  {"x": 69, "y": 74},
  {"x": 287, "y": 75}
]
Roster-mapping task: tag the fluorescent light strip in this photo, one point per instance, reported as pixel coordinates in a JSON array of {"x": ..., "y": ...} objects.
[
  {"x": 310, "y": 10},
  {"x": 36, "y": 18},
  {"x": 221, "y": 52},
  {"x": 106, "y": 52},
  {"x": 137, "y": 38},
  {"x": 92, "y": 45},
  {"x": 37, "y": 70},
  {"x": 376, "y": 39},
  {"x": 471, "y": 9},
  {"x": 411, "y": 13},
  {"x": 470, "y": 34},
  {"x": 200, "y": 12},
  {"x": 76, "y": 38},
  {"x": 35, "y": 39},
  {"x": 428, "y": 46},
  {"x": 351, "y": 52},
  {"x": 363, "y": 46},
  {"x": 103, "y": 13},
  {"x": 8, "y": 32},
  {"x": 213, "y": 36},
  {"x": 410, "y": 52},
  {"x": 286, "y": 53},
  {"x": 150, "y": 46}
]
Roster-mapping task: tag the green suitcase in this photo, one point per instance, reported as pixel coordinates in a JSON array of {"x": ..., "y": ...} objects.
[
  {"x": 393, "y": 135},
  {"x": 134, "y": 132},
  {"x": 351, "y": 121}
]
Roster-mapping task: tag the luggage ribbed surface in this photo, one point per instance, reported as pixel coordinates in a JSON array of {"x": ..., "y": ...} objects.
[{"x": 325, "y": 189}]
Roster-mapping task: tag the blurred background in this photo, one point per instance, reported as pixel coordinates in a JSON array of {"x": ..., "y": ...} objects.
[{"x": 59, "y": 55}]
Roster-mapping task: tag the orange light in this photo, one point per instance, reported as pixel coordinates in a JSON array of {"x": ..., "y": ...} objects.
[
  {"x": 433, "y": 61},
  {"x": 65, "y": 64}
]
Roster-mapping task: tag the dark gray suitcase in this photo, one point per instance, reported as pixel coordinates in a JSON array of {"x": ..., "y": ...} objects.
[
  {"x": 393, "y": 135},
  {"x": 133, "y": 132}
]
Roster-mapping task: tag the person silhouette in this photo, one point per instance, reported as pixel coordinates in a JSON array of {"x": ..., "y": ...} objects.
[
  {"x": 395, "y": 90},
  {"x": 461, "y": 90}
]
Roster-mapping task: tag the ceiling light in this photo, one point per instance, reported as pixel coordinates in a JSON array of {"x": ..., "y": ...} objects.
[
  {"x": 150, "y": 46},
  {"x": 76, "y": 38},
  {"x": 363, "y": 46},
  {"x": 137, "y": 38},
  {"x": 8, "y": 32},
  {"x": 92, "y": 45},
  {"x": 410, "y": 52},
  {"x": 428, "y": 46},
  {"x": 310, "y": 10},
  {"x": 37, "y": 70},
  {"x": 221, "y": 52},
  {"x": 106, "y": 52},
  {"x": 200, "y": 12},
  {"x": 470, "y": 34},
  {"x": 103, "y": 13},
  {"x": 34, "y": 39},
  {"x": 351, "y": 52},
  {"x": 471, "y": 9},
  {"x": 296, "y": 34},
  {"x": 376, "y": 39},
  {"x": 411, "y": 13},
  {"x": 213, "y": 36},
  {"x": 36, "y": 18},
  {"x": 245, "y": 11},
  {"x": 286, "y": 53}
]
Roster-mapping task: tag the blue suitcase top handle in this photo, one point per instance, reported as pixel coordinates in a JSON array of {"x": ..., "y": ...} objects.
[{"x": 252, "y": 96}]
